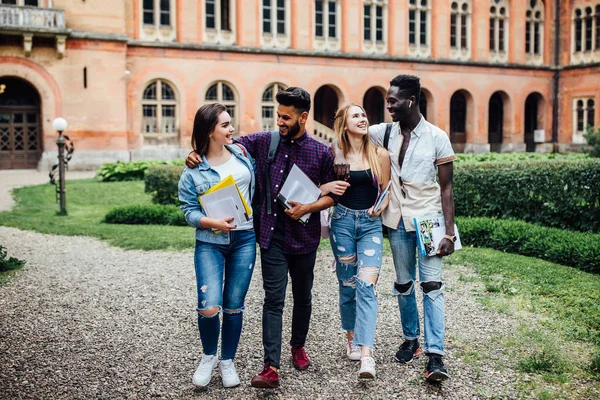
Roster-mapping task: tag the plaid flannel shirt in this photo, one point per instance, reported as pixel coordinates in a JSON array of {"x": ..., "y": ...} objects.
[{"x": 315, "y": 159}]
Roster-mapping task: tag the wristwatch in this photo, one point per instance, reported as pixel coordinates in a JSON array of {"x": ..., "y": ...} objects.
[{"x": 450, "y": 238}]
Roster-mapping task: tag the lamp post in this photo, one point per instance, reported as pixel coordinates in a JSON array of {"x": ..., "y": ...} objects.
[{"x": 60, "y": 125}]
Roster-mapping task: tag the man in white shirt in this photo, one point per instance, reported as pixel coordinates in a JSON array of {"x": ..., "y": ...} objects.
[{"x": 419, "y": 151}]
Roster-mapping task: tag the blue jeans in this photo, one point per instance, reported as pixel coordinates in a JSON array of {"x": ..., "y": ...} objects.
[
  {"x": 356, "y": 240},
  {"x": 223, "y": 274},
  {"x": 404, "y": 249}
]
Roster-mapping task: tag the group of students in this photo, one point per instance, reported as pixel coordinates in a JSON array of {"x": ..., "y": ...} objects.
[{"x": 410, "y": 152}]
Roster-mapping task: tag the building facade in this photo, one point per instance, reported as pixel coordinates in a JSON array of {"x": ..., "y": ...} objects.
[{"x": 129, "y": 75}]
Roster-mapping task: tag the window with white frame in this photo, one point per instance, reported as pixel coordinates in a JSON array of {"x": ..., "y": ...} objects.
[
  {"x": 374, "y": 26},
  {"x": 219, "y": 21},
  {"x": 159, "y": 110},
  {"x": 534, "y": 31},
  {"x": 460, "y": 29},
  {"x": 419, "y": 28},
  {"x": 499, "y": 30},
  {"x": 31, "y": 3},
  {"x": 583, "y": 117},
  {"x": 327, "y": 25},
  {"x": 158, "y": 20},
  {"x": 222, "y": 92},
  {"x": 585, "y": 42},
  {"x": 275, "y": 25},
  {"x": 269, "y": 106}
]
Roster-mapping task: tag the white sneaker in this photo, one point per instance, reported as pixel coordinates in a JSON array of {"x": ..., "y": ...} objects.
[
  {"x": 352, "y": 351},
  {"x": 367, "y": 368},
  {"x": 229, "y": 374},
  {"x": 204, "y": 371}
]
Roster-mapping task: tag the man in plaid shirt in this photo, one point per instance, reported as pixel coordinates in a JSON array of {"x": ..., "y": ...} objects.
[{"x": 286, "y": 245}]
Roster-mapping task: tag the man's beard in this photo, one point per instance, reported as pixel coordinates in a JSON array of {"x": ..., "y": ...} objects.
[{"x": 293, "y": 130}]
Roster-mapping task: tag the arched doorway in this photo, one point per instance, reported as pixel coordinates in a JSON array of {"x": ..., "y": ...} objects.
[
  {"x": 458, "y": 121},
  {"x": 374, "y": 105},
  {"x": 20, "y": 124},
  {"x": 425, "y": 103},
  {"x": 533, "y": 119},
  {"x": 326, "y": 104},
  {"x": 496, "y": 122}
]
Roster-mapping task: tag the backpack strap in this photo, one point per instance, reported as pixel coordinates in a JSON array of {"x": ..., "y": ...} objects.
[
  {"x": 242, "y": 148},
  {"x": 386, "y": 137},
  {"x": 273, "y": 145}
]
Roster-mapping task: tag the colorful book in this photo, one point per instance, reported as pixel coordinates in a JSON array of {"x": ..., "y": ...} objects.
[{"x": 430, "y": 232}]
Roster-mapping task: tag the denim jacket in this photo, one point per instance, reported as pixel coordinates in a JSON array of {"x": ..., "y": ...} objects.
[{"x": 196, "y": 181}]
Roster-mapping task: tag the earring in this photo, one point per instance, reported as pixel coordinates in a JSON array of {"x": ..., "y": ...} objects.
[{"x": 409, "y": 103}]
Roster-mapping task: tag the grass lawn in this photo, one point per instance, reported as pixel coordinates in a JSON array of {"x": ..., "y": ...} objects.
[{"x": 87, "y": 203}]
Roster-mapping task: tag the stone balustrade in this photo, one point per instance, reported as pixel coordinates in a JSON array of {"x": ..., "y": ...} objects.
[{"x": 36, "y": 18}]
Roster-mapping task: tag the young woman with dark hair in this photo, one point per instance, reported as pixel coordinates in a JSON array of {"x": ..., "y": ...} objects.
[
  {"x": 225, "y": 254},
  {"x": 356, "y": 231}
]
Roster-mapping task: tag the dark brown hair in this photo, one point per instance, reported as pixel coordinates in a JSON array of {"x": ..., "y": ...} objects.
[{"x": 205, "y": 121}]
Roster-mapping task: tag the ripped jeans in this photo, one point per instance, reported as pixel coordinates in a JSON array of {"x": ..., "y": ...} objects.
[
  {"x": 356, "y": 240},
  {"x": 404, "y": 252},
  {"x": 223, "y": 274}
]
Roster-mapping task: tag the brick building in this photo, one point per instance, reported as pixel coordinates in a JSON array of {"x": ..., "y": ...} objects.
[{"x": 128, "y": 75}]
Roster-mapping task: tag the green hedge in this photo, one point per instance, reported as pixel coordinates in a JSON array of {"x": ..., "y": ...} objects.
[
  {"x": 576, "y": 249},
  {"x": 129, "y": 171},
  {"x": 561, "y": 194},
  {"x": 152, "y": 214},
  {"x": 10, "y": 263},
  {"x": 518, "y": 157},
  {"x": 161, "y": 182}
]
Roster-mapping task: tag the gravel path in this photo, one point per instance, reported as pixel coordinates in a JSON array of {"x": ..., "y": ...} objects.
[{"x": 86, "y": 320}]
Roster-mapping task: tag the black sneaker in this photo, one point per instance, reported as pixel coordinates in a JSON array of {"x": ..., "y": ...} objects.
[
  {"x": 407, "y": 351},
  {"x": 436, "y": 372}
]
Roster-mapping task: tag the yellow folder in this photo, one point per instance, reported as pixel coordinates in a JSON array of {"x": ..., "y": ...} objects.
[{"x": 226, "y": 182}]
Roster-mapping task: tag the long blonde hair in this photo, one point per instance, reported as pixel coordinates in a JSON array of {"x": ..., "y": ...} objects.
[{"x": 366, "y": 148}]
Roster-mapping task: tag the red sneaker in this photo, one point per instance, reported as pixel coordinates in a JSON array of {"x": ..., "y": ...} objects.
[
  {"x": 267, "y": 379},
  {"x": 300, "y": 358}
]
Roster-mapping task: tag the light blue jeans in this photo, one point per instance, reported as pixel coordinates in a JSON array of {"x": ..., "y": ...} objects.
[
  {"x": 223, "y": 274},
  {"x": 404, "y": 249},
  {"x": 356, "y": 240}
]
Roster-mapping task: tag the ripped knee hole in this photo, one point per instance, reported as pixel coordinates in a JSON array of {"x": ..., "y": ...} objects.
[{"x": 430, "y": 286}]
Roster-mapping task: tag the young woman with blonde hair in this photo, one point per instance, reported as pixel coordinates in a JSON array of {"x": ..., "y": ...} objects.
[{"x": 356, "y": 231}]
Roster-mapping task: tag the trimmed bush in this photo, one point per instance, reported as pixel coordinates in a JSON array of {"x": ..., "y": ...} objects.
[
  {"x": 129, "y": 171},
  {"x": 575, "y": 249},
  {"x": 518, "y": 157},
  {"x": 151, "y": 214},
  {"x": 593, "y": 139},
  {"x": 161, "y": 182},
  {"x": 561, "y": 194},
  {"x": 9, "y": 264}
]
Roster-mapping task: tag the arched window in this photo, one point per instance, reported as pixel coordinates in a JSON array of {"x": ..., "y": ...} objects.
[
  {"x": 583, "y": 117},
  {"x": 269, "y": 106},
  {"x": 159, "y": 109},
  {"x": 419, "y": 27},
  {"x": 534, "y": 31},
  {"x": 460, "y": 29},
  {"x": 498, "y": 30},
  {"x": 221, "y": 92},
  {"x": 586, "y": 35}
]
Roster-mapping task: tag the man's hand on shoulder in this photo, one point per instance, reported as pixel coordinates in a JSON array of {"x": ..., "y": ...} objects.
[{"x": 193, "y": 159}]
